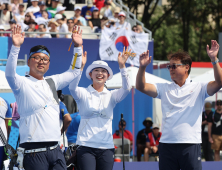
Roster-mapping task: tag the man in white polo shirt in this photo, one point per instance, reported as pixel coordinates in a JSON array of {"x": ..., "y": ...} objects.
[
  {"x": 182, "y": 105},
  {"x": 38, "y": 103}
]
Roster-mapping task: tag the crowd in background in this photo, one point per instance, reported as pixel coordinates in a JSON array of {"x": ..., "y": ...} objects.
[{"x": 49, "y": 16}]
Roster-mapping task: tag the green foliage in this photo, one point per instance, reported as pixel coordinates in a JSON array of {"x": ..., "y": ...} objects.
[{"x": 185, "y": 24}]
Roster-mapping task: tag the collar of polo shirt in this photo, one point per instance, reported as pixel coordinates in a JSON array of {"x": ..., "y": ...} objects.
[
  {"x": 186, "y": 82},
  {"x": 92, "y": 90}
]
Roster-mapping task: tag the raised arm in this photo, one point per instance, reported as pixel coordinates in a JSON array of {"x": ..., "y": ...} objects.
[
  {"x": 64, "y": 79},
  {"x": 214, "y": 86},
  {"x": 141, "y": 84},
  {"x": 121, "y": 93},
  {"x": 13, "y": 79}
]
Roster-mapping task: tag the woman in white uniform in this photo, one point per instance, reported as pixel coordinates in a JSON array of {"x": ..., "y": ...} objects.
[{"x": 96, "y": 103}]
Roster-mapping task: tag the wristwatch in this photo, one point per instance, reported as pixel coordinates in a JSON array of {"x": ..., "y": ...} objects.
[{"x": 215, "y": 62}]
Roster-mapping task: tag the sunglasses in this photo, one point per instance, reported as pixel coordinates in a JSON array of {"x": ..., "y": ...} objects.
[
  {"x": 27, "y": 16},
  {"x": 123, "y": 124},
  {"x": 174, "y": 66},
  {"x": 219, "y": 103}
]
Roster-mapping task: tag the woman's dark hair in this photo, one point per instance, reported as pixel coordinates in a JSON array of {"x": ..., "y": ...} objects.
[
  {"x": 93, "y": 16},
  {"x": 38, "y": 47}
]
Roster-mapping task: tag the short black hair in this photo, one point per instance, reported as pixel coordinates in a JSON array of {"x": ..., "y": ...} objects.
[
  {"x": 38, "y": 47},
  {"x": 123, "y": 122}
]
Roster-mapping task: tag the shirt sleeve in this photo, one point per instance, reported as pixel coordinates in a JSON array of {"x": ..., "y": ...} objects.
[
  {"x": 62, "y": 106},
  {"x": 14, "y": 80},
  {"x": 84, "y": 22},
  {"x": 204, "y": 90},
  {"x": 9, "y": 112},
  {"x": 120, "y": 94},
  {"x": 130, "y": 136},
  {"x": 159, "y": 89},
  {"x": 210, "y": 118},
  {"x": 64, "y": 79}
]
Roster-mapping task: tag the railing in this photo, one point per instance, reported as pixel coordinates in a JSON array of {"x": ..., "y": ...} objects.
[
  {"x": 20, "y": 62},
  {"x": 131, "y": 17}
]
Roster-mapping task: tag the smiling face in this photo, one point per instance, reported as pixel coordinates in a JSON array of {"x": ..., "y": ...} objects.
[
  {"x": 99, "y": 75},
  {"x": 179, "y": 72},
  {"x": 38, "y": 68}
]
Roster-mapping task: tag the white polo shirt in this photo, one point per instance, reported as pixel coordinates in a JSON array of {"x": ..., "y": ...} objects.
[
  {"x": 5, "y": 113},
  {"x": 182, "y": 111},
  {"x": 96, "y": 111},
  {"x": 39, "y": 112}
]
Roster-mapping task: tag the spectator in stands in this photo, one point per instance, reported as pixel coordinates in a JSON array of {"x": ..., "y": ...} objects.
[
  {"x": 34, "y": 8},
  {"x": 30, "y": 35},
  {"x": 140, "y": 28},
  {"x": 142, "y": 138},
  {"x": 107, "y": 11},
  {"x": 152, "y": 142},
  {"x": 42, "y": 28},
  {"x": 87, "y": 10},
  {"x": 5, "y": 14},
  {"x": 31, "y": 24},
  {"x": 42, "y": 7},
  {"x": 103, "y": 21},
  {"x": 63, "y": 28},
  {"x": 99, "y": 3},
  {"x": 69, "y": 4},
  {"x": 78, "y": 19},
  {"x": 135, "y": 29},
  {"x": 95, "y": 20},
  {"x": 61, "y": 10},
  {"x": 73, "y": 128},
  {"x": 53, "y": 28},
  {"x": 206, "y": 145},
  {"x": 26, "y": 21},
  {"x": 12, "y": 23},
  {"x": 20, "y": 16},
  {"x": 70, "y": 24},
  {"x": 215, "y": 129},
  {"x": 2, "y": 29},
  {"x": 15, "y": 7},
  {"x": 43, "y": 19},
  {"x": 126, "y": 134},
  {"x": 116, "y": 13},
  {"x": 122, "y": 23},
  {"x": 53, "y": 8}
]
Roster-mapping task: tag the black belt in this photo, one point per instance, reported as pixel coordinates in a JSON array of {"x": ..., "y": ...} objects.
[{"x": 36, "y": 145}]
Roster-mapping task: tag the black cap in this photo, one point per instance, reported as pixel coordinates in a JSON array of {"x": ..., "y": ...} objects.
[
  {"x": 41, "y": 3},
  {"x": 12, "y": 21}
]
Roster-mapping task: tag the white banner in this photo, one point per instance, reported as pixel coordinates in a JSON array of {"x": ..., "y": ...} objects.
[{"x": 113, "y": 41}]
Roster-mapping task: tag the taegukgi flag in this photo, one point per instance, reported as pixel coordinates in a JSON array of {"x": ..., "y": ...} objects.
[{"x": 112, "y": 42}]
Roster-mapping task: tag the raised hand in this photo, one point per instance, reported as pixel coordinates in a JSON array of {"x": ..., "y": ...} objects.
[
  {"x": 122, "y": 58},
  {"x": 77, "y": 36},
  {"x": 212, "y": 53},
  {"x": 145, "y": 60},
  {"x": 17, "y": 36},
  {"x": 84, "y": 59}
]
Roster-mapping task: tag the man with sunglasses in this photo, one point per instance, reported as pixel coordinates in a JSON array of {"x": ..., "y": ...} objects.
[
  {"x": 182, "y": 103},
  {"x": 126, "y": 134},
  {"x": 215, "y": 129},
  {"x": 38, "y": 103}
]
